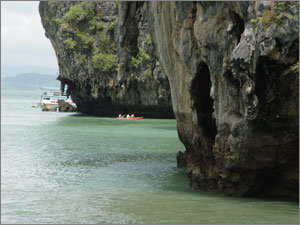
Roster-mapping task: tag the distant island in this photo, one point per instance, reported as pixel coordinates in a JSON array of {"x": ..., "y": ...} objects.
[{"x": 28, "y": 81}]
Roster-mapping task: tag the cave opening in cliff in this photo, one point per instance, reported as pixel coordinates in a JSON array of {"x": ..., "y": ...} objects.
[{"x": 203, "y": 103}]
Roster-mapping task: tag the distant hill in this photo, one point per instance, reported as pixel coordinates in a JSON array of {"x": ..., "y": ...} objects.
[
  {"x": 10, "y": 71},
  {"x": 28, "y": 81}
]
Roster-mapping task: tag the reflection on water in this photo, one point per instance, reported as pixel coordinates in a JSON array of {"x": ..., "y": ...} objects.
[
  {"x": 166, "y": 128},
  {"x": 70, "y": 168}
]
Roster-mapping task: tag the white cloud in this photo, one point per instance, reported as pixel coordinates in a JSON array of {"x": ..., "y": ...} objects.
[{"x": 23, "y": 40}]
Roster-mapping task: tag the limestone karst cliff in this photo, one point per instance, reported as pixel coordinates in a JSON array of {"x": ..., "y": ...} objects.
[
  {"x": 232, "y": 68},
  {"x": 107, "y": 67},
  {"x": 234, "y": 83}
]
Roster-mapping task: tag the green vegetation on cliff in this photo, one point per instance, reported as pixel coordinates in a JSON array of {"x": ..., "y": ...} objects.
[
  {"x": 105, "y": 62},
  {"x": 142, "y": 57},
  {"x": 84, "y": 40},
  {"x": 276, "y": 15}
]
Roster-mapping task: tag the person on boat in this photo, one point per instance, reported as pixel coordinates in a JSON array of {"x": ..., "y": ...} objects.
[
  {"x": 120, "y": 115},
  {"x": 127, "y": 116},
  {"x": 132, "y": 116}
]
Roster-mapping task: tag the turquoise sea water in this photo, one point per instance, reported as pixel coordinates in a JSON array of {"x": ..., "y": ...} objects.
[{"x": 69, "y": 168}]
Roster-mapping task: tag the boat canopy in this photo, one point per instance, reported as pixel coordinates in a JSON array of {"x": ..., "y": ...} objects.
[{"x": 50, "y": 88}]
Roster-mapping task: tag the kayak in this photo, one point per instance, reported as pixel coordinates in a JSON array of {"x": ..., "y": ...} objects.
[{"x": 134, "y": 118}]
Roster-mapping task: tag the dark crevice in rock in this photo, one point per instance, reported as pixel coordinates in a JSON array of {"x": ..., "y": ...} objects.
[
  {"x": 130, "y": 37},
  {"x": 293, "y": 53},
  {"x": 203, "y": 103},
  {"x": 261, "y": 81},
  {"x": 234, "y": 84},
  {"x": 278, "y": 44},
  {"x": 238, "y": 25},
  {"x": 266, "y": 83}
]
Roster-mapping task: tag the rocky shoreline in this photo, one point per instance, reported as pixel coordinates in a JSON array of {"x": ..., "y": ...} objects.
[{"x": 62, "y": 107}]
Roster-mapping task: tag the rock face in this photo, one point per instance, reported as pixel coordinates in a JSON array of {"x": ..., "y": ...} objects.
[
  {"x": 48, "y": 107},
  {"x": 65, "y": 107},
  {"x": 232, "y": 71},
  {"x": 234, "y": 83},
  {"x": 109, "y": 67}
]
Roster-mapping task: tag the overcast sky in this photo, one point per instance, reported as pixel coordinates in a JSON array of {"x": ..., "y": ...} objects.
[{"x": 24, "y": 46}]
